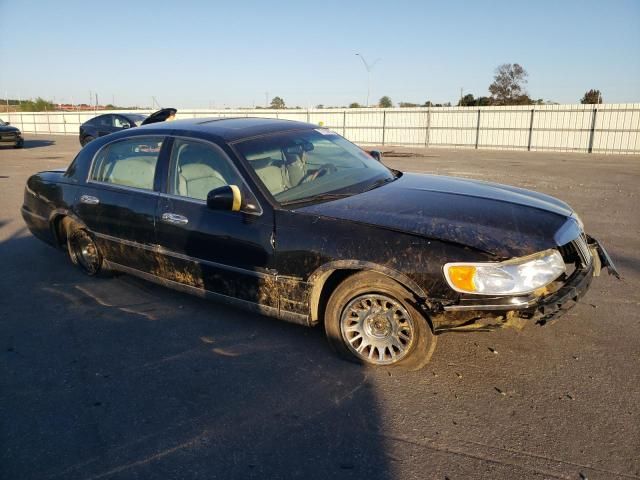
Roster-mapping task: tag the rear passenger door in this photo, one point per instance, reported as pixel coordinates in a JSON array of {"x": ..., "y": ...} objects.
[
  {"x": 104, "y": 125},
  {"x": 225, "y": 253},
  {"x": 119, "y": 201}
]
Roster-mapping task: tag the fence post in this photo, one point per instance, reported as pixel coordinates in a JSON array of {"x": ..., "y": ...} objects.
[
  {"x": 478, "y": 130},
  {"x": 384, "y": 124},
  {"x": 427, "y": 133},
  {"x": 530, "y": 130},
  {"x": 344, "y": 123},
  {"x": 308, "y": 116},
  {"x": 592, "y": 132}
]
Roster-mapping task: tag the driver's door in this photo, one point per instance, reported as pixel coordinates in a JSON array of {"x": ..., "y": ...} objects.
[{"x": 223, "y": 253}]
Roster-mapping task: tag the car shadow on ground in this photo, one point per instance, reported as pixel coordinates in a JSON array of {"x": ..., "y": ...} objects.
[
  {"x": 30, "y": 144},
  {"x": 38, "y": 143},
  {"x": 119, "y": 378}
]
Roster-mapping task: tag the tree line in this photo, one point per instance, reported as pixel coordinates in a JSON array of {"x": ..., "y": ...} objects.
[{"x": 507, "y": 88}]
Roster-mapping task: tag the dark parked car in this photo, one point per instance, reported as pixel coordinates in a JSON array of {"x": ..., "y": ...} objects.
[
  {"x": 114, "y": 122},
  {"x": 10, "y": 135},
  {"x": 293, "y": 221},
  {"x": 108, "y": 123}
]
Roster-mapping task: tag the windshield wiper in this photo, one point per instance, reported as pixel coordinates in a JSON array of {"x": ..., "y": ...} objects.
[
  {"x": 379, "y": 183},
  {"x": 318, "y": 197}
]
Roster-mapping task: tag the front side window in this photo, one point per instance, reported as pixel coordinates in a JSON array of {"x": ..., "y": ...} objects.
[
  {"x": 129, "y": 163},
  {"x": 196, "y": 168},
  {"x": 305, "y": 165},
  {"x": 120, "y": 122}
]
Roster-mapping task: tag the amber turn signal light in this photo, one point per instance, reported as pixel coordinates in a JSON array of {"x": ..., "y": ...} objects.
[{"x": 461, "y": 276}]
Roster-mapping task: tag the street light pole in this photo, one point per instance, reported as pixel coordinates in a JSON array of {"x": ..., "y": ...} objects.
[{"x": 368, "y": 67}]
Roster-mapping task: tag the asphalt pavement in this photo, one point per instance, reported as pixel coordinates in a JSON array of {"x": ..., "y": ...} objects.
[{"x": 121, "y": 379}]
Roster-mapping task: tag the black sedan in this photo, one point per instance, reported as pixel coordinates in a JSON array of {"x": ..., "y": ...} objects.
[
  {"x": 294, "y": 221},
  {"x": 10, "y": 135},
  {"x": 115, "y": 122}
]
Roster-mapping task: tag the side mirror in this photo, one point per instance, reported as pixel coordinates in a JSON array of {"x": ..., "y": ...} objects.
[
  {"x": 126, "y": 125},
  {"x": 7, "y": 123},
  {"x": 377, "y": 154},
  {"x": 225, "y": 198}
]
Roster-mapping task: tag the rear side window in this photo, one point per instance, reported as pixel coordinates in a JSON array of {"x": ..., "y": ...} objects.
[
  {"x": 104, "y": 121},
  {"x": 129, "y": 163}
]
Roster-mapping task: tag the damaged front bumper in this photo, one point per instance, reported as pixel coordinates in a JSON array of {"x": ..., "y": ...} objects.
[{"x": 541, "y": 307}]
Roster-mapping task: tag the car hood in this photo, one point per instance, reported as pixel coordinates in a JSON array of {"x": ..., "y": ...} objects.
[
  {"x": 8, "y": 129},
  {"x": 501, "y": 220}
]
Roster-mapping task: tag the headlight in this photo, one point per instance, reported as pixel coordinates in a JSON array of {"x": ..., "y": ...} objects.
[{"x": 513, "y": 277}]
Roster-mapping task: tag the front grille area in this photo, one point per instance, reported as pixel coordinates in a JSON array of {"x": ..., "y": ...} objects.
[
  {"x": 577, "y": 252},
  {"x": 582, "y": 248}
]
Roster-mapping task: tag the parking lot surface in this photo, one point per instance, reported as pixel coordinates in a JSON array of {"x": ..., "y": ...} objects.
[{"x": 121, "y": 379}]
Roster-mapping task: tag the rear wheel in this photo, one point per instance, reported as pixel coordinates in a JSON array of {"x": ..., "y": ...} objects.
[
  {"x": 82, "y": 250},
  {"x": 370, "y": 319}
]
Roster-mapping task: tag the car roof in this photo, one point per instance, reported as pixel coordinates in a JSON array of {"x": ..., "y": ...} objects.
[{"x": 232, "y": 129}]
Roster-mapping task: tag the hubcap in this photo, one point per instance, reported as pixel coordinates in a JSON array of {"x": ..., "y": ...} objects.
[{"x": 377, "y": 329}]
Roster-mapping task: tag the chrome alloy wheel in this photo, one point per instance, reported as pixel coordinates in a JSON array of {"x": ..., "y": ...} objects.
[{"x": 377, "y": 328}]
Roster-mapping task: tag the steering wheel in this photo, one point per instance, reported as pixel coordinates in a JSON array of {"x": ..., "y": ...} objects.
[{"x": 320, "y": 172}]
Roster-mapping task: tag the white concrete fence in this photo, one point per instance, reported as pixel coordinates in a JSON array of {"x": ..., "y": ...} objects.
[{"x": 610, "y": 128}]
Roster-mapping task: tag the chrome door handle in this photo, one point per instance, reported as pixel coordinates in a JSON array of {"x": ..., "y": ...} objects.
[
  {"x": 89, "y": 200},
  {"x": 174, "y": 219}
]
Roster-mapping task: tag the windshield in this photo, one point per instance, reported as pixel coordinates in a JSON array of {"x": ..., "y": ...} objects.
[
  {"x": 137, "y": 119},
  {"x": 311, "y": 164}
]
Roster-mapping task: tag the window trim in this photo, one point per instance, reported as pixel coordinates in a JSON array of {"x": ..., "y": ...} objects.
[
  {"x": 127, "y": 187},
  {"x": 166, "y": 193}
]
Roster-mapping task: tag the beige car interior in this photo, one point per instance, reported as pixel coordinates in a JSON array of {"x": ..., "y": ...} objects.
[
  {"x": 198, "y": 170},
  {"x": 280, "y": 171},
  {"x": 137, "y": 172}
]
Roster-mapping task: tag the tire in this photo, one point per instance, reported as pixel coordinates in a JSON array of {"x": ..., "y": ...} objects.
[
  {"x": 86, "y": 140},
  {"x": 20, "y": 144},
  {"x": 370, "y": 319},
  {"x": 82, "y": 249}
]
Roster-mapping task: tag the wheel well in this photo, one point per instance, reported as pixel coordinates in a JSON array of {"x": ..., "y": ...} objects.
[
  {"x": 60, "y": 230},
  {"x": 327, "y": 283},
  {"x": 319, "y": 297}
]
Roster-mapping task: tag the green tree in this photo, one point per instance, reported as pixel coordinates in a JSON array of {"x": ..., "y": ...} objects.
[
  {"x": 408, "y": 105},
  {"x": 467, "y": 101},
  {"x": 355, "y": 105},
  {"x": 385, "y": 102},
  {"x": 37, "y": 105},
  {"x": 428, "y": 103},
  {"x": 508, "y": 85},
  {"x": 591, "y": 97},
  {"x": 277, "y": 103}
]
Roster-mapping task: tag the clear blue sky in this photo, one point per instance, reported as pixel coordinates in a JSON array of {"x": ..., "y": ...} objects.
[{"x": 200, "y": 53}]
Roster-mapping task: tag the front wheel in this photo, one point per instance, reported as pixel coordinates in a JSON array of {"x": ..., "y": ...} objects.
[{"x": 370, "y": 319}]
